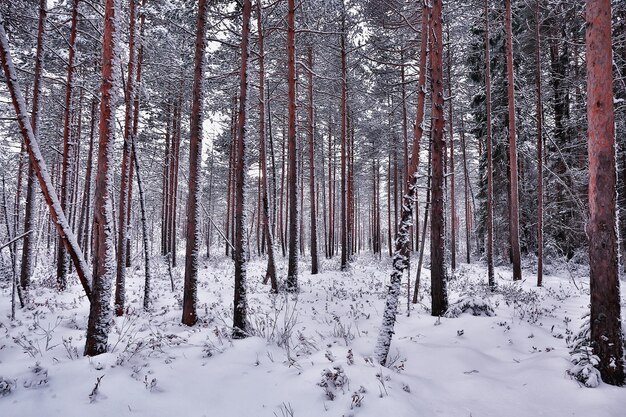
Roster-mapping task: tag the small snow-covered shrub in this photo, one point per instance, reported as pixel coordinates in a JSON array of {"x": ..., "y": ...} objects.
[
  {"x": 6, "y": 386},
  {"x": 27, "y": 345},
  {"x": 332, "y": 380},
  {"x": 209, "y": 349},
  {"x": 38, "y": 378},
  {"x": 583, "y": 360},
  {"x": 342, "y": 331},
  {"x": 357, "y": 397},
  {"x": 473, "y": 305},
  {"x": 95, "y": 392},
  {"x": 350, "y": 357},
  {"x": 305, "y": 345}
]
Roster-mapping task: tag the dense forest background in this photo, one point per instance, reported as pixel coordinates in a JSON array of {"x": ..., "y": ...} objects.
[{"x": 177, "y": 131}]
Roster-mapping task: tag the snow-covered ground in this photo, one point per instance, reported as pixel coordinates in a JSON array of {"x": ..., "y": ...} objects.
[{"x": 310, "y": 355}]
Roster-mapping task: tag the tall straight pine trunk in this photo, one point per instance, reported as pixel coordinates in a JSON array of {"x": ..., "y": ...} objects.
[
  {"x": 606, "y": 333},
  {"x": 104, "y": 246},
  {"x": 67, "y": 145},
  {"x": 29, "y": 217},
  {"x": 126, "y": 184},
  {"x": 269, "y": 233},
  {"x": 490, "y": 275},
  {"x": 539, "y": 146},
  {"x": 513, "y": 185},
  {"x": 314, "y": 266},
  {"x": 292, "y": 271},
  {"x": 438, "y": 276},
  {"x": 190, "y": 293},
  {"x": 240, "y": 303}
]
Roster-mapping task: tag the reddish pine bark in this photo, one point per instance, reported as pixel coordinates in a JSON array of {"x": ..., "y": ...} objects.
[
  {"x": 437, "y": 252},
  {"x": 104, "y": 249},
  {"x": 606, "y": 337},
  {"x": 190, "y": 296}
]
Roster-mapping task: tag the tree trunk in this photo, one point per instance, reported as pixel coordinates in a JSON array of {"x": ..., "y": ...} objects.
[
  {"x": 606, "y": 336},
  {"x": 292, "y": 272},
  {"x": 466, "y": 197},
  {"x": 314, "y": 265},
  {"x": 240, "y": 325},
  {"x": 67, "y": 146},
  {"x": 174, "y": 183},
  {"x": 29, "y": 218},
  {"x": 539, "y": 147},
  {"x": 125, "y": 184},
  {"x": 344, "y": 138},
  {"x": 438, "y": 276},
  {"x": 147, "y": 298},
  {"x": 190, "y": 296},
  {"x": 49, "y": 193},
  {"x": 331, "y": 199},
  {"x": 513, "y": 190},
  {"x": 83, "y": 225},
  {"x": 400, "y": 258},
  {"x": 269, "y": 238},
  {"x": 104, "y": 247},
  {"x": 451, "y": 133},
  {"x": 490, "y": 275},
  {"x": 418, "y": 275}
]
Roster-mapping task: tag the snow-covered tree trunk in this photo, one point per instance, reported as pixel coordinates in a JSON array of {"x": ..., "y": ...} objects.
[
  {"x": 147, "y": 300},
  {"x": 451, "y": 160},
  {"x": 292, "y": 271},
  {"x": 30, "y": 215},
  {"x": 271, "y": 266},
  {"x": 62, "y": 267},
  {"x": 126, "y": 184},
  {"x": 83, "y": 225},
  {"x": 39, "y": 165},
  {"x": 400, "y": 254},
  {"x": 190, "y": 296},
  {"x": 104, "y": 245},
  {"x": 240, "y": 316},
  {"x": 466, "y": 197}
]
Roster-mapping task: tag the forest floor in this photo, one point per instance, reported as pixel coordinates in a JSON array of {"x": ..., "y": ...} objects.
[{"x": 310, "y": 355}]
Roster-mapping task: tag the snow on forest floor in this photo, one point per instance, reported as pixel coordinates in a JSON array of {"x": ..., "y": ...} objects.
[{"x": 511, "y": 364}]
